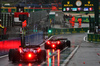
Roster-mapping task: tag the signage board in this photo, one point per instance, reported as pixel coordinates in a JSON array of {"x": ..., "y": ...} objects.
[{"x": 78, "y": 5}]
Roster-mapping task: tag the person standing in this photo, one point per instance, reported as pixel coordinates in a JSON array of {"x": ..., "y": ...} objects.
[
  {"x": 73, "y": 21},
  {"x": 79, "y": 22}
]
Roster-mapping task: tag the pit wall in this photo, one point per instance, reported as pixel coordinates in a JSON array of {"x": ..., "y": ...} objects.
[
  {"x": 93, "y": 37},
  {"x": 56, "y": 31}
]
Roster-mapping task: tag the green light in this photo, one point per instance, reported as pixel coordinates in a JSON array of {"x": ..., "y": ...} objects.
[
  {"x": 64, "y": 9},
  {"x": 49, "y": 31},
  {"x": 34, "y": 30}
]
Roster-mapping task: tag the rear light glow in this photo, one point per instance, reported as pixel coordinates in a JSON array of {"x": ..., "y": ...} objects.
[
  {"x": 58, "y": 42},
  {"x": 53, "y": 46},
  {"x": 48, "y": 42},
  {"x": 30, "y": 64},
  {"x": 20, "y": 65},
  {"x": 39, "y": 50},
  {"x": 20, "y": 50},
  {"x": 29, "y": 55}
]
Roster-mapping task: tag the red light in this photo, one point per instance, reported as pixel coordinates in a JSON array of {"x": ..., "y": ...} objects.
[
  {"x": 48, "y": 42},
  {"x": 39, "y": 50},
  {"x": 79, "y": 9},
  {"x": 58, "y": 42},
  {"x": 29, "y": 55},
  {"x": 67, "y": 9},
  {"x": 30, "y": 64},
  {"x": 20, "y": 65},
  {"x": 20, "y": 50},
  {"x": 90, "y": 9},
  {"x": 53, "y": 45}
]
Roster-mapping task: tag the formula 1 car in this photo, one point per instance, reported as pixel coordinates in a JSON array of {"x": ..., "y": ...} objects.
[
  {"x": 57, "y": 43},
  {"x": 28, "y": 53}
]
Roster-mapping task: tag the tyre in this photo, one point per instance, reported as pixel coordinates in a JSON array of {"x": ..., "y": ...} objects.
[
  {"x": 16, "y": 56},
  {"x": 68, "y": 43},
  {"x": 42, "y": 56},
  {"x": 10, "y": 54}
]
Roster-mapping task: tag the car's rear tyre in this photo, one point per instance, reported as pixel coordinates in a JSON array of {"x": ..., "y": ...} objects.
[
  {"x": 16, "y": 56},
  {"x": 42, "y": 56},
  {"x": 10, "y": 54},
  {"x": 68, "y": 43}
]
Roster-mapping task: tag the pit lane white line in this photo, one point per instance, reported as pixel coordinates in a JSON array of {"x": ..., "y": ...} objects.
[
  {"x": 54, "y": 54},
  {"x": 3, "y": 56},
  {"x": 70, "y": 56}
]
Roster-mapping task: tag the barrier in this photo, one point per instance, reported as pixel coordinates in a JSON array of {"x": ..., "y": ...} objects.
[
  {"x": 56, "y": 31},
  {"x": 94, "y": 37},
  {"x": 34, "y": 39},
  {"x": 84, "y": 19}
]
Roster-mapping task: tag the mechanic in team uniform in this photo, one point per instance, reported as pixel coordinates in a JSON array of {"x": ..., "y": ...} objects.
[
  {"x": 73, "y": 21},
  {"x": 79, "y": 22}
]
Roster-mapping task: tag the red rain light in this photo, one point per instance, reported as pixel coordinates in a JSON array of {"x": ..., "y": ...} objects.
[
  {"x": 48, "y": 42},
  {"x": 58, "y": 42},
  {"x": 53, "y": 45},
  {"x": 29, "y": 55}
]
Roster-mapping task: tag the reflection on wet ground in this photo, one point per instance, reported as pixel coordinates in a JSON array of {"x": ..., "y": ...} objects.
[
  {"x": 58, "y": 59},
  {"x": 53, "y": 59}
]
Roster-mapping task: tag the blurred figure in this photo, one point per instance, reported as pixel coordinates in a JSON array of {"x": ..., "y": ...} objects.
[
  {"x": 73, "y": 21},
  {"x": 79, "y": 22},
  {"x": 64, "y": 17},
  {"x": 99, "y": 30}
]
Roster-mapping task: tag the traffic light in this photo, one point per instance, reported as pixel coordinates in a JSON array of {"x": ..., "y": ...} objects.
[{"x": 49, "y": 31}]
